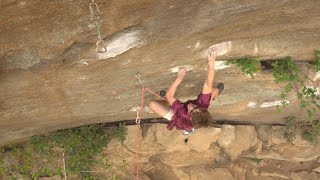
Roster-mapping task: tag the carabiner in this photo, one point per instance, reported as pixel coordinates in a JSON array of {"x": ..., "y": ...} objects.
[
  {"x": 94, "y": 8},
  {"x": 101, "y": 46},
  {"x": 138, "y": 117}
]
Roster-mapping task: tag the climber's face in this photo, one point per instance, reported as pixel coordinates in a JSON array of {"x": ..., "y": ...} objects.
[{"x": 191, "y": 107}]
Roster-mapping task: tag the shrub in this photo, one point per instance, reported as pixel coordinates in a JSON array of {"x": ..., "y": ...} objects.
[
  {"x": 247, "y": 65},
  {"x": 284, "y": 70},
  {"x": 317, "y": 61},
  {"x": 39, "y": 157},
  {"x": 312, "y": 133}
]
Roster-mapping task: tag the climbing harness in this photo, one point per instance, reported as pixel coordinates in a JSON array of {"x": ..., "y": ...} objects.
[
  {"x": 95, "y": 17},
  {"x": 138, "y": 118}
]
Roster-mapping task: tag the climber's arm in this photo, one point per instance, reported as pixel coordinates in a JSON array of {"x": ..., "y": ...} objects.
[
  {"x": 207, "y": 86},
  {"x": 172, "y": 89}
]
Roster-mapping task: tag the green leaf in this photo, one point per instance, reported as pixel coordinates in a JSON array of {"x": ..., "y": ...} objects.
[
  {"x": 278, "y": 109},
  {"x": 317, "y": 60},
  {"x": 247, "y": 65},
  {"x": 310, "y": 114}
]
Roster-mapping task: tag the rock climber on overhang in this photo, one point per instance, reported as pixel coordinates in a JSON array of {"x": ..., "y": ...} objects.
[{"x": 192, "y": 114}]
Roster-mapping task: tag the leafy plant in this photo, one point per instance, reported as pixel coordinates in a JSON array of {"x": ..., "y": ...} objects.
[
  {"x": 286, "y": 71},
  {"x": 248, "y": 65},
  {"x": 310, "y": 136},
  {"x": 2, "y": 168},
  {"x": 119, "y": 133},
  {"x": 255, "y": 159},
  {"x": 317, "y": 61},
  {"x": 123, "y": 167},
  {"x": 84, "y": 143},
  {"x": 80, "y": 145},
  {"x": 290, "y": 128},
  {"x": 41, "y": 144},
  {"x": 289, "y": 135},
  {"x": 312, "y": 133}
]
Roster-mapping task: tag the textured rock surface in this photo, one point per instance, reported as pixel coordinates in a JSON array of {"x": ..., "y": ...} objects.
[
  {"x": 309, "y": 175},
  {"x": 52, "y": 78},
  {"x": 227, "y": 136},
  {"x": 245, "y": 137},
  {"x": 291, "y": 153},
  {"x": 209, "y": 173},
  {"x": 200, "y": 141},
  {"x": 278, "y": 138},
  {"x": 264, "y": 134},
  {"x": 280, "y": 161}
]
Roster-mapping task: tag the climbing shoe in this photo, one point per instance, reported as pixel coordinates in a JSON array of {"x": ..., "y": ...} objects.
[
  {"x": 185, "y": 132},
  {"x": 220, "y": 86},
  {"x": 163, "y": 94}
]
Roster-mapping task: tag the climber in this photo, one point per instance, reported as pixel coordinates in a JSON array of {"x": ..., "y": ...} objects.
[{"x": 191, "y": 114}]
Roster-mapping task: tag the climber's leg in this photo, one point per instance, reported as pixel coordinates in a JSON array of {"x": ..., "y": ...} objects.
[{"x": 161, "y": 108}]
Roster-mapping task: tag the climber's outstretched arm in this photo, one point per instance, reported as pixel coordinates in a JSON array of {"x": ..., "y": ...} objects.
[
  {"x": 172, "y": 89},
  {"x": 207, "y": 86}
]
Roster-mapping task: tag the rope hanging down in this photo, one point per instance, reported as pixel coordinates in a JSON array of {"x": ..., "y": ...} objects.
[
  {"x": 139, "y": 115},
  {"x": 95, "y": 17}
]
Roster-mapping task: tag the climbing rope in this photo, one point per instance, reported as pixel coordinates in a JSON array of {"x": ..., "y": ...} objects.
[
  {"x": 138, "y": 118},
  {"x": 143, "y": 90},
  {"x": 95, "y": 16}
]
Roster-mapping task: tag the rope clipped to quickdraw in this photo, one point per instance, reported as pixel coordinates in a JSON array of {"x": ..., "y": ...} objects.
[
  {"x": 138, "y": 118},
  {"x": 139, "y": 112},
  {"x": 95, "y": 17}
]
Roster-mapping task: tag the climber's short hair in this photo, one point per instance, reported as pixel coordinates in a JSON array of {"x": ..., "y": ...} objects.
[{"x": 200, "y": 117}]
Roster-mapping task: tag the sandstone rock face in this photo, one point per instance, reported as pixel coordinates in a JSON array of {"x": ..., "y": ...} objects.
[
  {"x": 159, "y": 160},
  {"x": 317, "y": 169},
  {"x": 297, "y": 151},
  {"x": 291, "y": 153},
  {"x": 276, "y": 173},
  {"x": 209, "y": 173},
  {"x": 264, "y": 134},
  {"x": 295, "y": 176},
  {"x": 52, "y": 78},
  {"x": 239, "y": 172},
  {"x": 309, "y": 175},
  {"x": 143, "y": 176},
  {"x": 227, "y": 136},
  {"x": 278, "y": 138},
  {"x": 245, "y": 137},
  {"x": 170, "y": 150},
  {"x": 277, "y": 135},
  {"x": 175, "y": 140}
]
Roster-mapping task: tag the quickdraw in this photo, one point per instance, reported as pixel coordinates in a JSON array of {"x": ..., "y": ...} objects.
[{"x": 95, "y": 17}]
